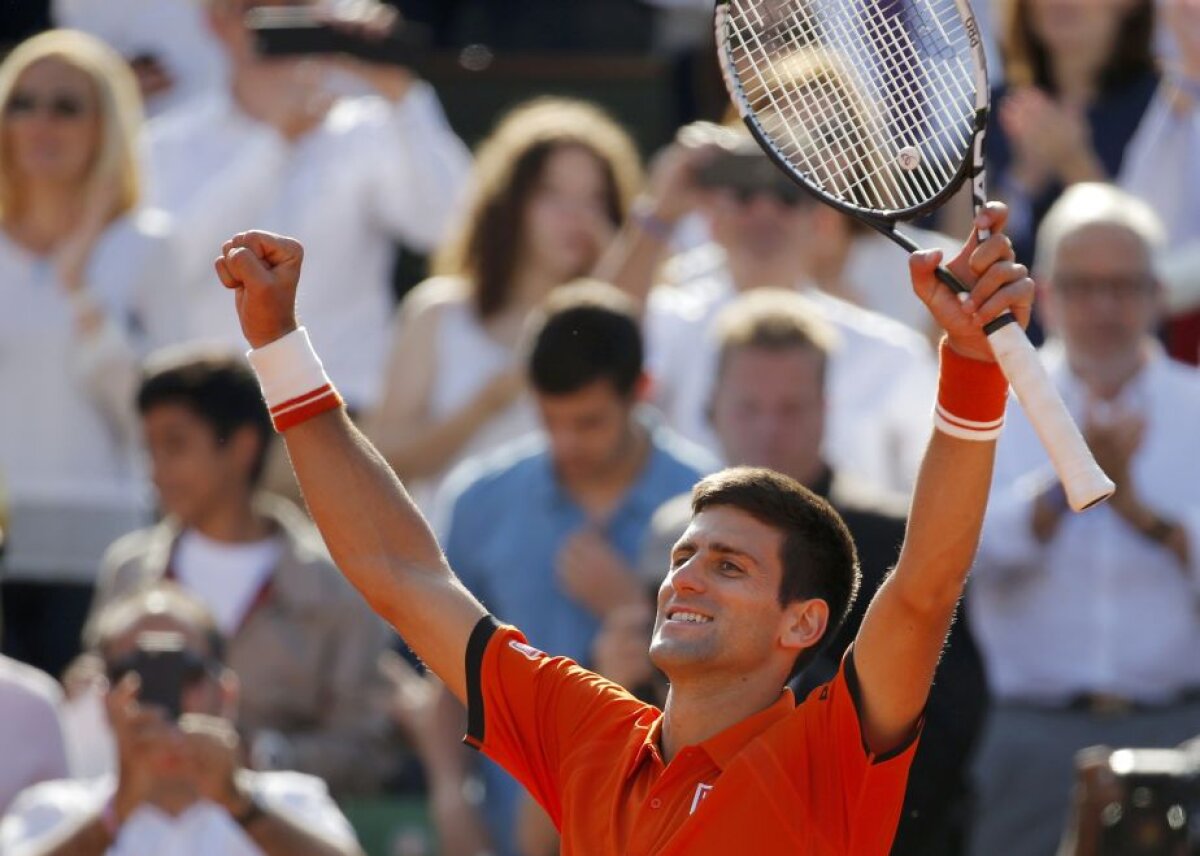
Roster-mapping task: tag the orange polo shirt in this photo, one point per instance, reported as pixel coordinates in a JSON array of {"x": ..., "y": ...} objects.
[{"x": 792, "y": 779}]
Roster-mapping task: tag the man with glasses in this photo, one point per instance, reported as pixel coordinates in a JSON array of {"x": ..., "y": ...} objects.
[
  {"x": 766, "y": 233},
  {"x": 1088, "y": 623},
  {"x": 180, "y": 786}
]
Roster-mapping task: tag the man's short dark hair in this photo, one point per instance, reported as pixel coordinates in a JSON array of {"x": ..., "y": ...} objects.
[
  {"x": 588, "y": 332},
  {"x": 817, "y": 554},
  {"x": 218, "y": 387}
]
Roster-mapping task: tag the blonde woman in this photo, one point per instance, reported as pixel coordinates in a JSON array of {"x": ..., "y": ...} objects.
[
  {"x": 550, "y": 186},
  {"x": 86, "y": 287}
]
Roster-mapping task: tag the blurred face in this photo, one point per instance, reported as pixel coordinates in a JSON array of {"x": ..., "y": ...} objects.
[
  {"x": 769, "y": 410},
  {"x": 192, "y": 470},
  {"x": 589, "y": 430},
  {"x": 1066, "y": 26},
  {"x": 1104, "y": 300},
  {"x": 52, "y": 123},
  {"x": 718, "y": 608},
  {"x": 763, "y": 231},
  {"x": 205, "y": 690},
  {"x": 566, "y": 221}
]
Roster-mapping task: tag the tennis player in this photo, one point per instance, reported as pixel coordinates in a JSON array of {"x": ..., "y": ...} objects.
[{"x": 763, "y": 575}]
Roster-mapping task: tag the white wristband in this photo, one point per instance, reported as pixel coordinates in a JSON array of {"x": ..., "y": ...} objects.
[{"x": 293, "y": 381}]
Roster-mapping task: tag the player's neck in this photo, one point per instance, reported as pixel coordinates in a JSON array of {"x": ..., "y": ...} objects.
[{"x": 695, "y": 712}]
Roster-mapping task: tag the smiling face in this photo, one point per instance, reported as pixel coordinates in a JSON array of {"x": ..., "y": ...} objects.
[{"x": 719, "y": 612}]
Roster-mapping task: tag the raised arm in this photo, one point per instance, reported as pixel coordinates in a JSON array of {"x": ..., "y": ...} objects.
[
  {"x": 902, "y": 635},
  {"x": 376, "y": 535}
]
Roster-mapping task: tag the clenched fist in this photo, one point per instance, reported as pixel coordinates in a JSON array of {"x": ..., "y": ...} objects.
[{"x": 263, "y": 270}]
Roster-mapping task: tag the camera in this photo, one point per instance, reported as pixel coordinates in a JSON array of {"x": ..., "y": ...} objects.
[
  {"x": 165, "y": 666},
  {"x": 1152, "y": 805},
  {"x": 301, "y": 31}
]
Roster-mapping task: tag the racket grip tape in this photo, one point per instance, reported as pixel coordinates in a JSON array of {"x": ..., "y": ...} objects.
[{"x": 1084, "y": 482}]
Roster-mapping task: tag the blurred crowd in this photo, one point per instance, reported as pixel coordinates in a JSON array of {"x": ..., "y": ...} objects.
[{"x": 551, "y": 332}]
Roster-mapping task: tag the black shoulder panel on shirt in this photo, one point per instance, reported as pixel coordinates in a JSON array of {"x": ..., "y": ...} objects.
[{"x": 476, "y": 646}]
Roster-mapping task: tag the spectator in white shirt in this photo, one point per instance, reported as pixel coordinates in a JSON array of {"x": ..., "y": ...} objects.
[
  {"x": 87, "y": 287},
  {"x": 881, "y": 372},
  {"x": 1088, "y": 624},
  {"x": 280, "y": 149},
  {"x": 180, "y": 787},
  {"x": 550, "y": 188},
  {"x": 166, "y": 42},
  {"x": 31, "y": 739}
]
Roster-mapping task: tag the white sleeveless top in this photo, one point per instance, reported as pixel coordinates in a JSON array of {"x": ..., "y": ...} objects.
[{"x": 466, "y": 358}]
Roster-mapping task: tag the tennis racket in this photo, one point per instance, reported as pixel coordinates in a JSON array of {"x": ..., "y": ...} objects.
[{"x": 878, "y": 108}]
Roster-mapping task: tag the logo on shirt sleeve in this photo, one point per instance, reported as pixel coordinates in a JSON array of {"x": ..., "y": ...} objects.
[{"x": 527, "y": 651}]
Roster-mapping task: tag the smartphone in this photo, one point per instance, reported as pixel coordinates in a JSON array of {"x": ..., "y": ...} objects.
[
  {"x": 299, "y": 31},
  {"x": 165, "y": 667}
]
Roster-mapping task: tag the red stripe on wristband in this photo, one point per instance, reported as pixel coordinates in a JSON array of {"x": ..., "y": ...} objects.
[
  {"x": 972, "y": 396},
  {"x": 291, "y": 413}
]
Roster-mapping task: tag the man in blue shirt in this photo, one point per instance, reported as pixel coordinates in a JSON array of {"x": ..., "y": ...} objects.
[{"x": 545, "y": 532}]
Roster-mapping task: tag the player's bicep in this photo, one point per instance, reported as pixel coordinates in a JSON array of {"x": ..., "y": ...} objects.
[{"x": 435, "y": 614}]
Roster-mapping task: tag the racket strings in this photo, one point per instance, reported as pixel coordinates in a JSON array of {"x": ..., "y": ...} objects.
[
  {"x": 818, "y": 109},
  {"x": 872, "y": 101},
  {"x": 811, "y": 116},
  {"x": 907, "y": 103}
]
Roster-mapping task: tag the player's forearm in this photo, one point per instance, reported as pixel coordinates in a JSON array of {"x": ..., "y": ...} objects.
[
  {"x": 903, "y": 633},
  {"x": 944, "y": 525},
  {"x": 374, "y": 532}
]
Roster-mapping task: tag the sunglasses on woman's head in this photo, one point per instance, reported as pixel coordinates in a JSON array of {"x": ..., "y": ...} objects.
[{"x": 57, "y": 106}]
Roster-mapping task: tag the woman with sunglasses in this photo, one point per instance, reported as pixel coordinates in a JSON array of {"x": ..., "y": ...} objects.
[{"x": 86, "y": 288}]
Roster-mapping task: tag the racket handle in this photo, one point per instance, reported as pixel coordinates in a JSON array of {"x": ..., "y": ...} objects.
[{"x": 1083, "y": 480}]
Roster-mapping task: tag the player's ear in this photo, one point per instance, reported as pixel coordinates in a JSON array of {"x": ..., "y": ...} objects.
[{"x": 804, "y": 623}]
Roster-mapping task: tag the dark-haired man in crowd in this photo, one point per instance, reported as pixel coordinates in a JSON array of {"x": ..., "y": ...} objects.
[
  {"x": 180, "y": 787},
  {"x": 545, "y": 533},
  {"x": 303, "y": 642}
]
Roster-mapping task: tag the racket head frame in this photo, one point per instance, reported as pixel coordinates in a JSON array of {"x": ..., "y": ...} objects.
[{"x": 971, "y": 165}]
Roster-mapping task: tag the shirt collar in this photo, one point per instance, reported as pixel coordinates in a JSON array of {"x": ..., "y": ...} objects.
[{"x": 722, "y": 748}]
